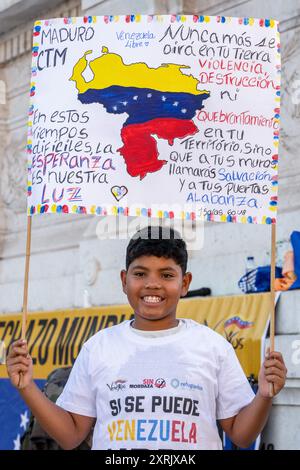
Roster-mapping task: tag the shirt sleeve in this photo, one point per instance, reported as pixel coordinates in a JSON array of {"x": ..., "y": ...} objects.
[
  {"x": 78, "y": 395},
  {"x": 234, "y": 390}
]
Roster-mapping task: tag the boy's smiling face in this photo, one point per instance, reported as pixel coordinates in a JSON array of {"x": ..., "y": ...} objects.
[{"x": 154, "y": 286}]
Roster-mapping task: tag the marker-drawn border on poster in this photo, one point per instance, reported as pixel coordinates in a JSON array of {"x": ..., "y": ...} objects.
[{"x": 120, "y": 210}]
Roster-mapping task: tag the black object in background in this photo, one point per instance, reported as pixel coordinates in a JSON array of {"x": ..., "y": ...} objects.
[{"x": 202, "y": 292}]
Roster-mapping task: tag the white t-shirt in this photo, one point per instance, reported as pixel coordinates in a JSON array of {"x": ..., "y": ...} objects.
[{"x": 161, "y": 390}]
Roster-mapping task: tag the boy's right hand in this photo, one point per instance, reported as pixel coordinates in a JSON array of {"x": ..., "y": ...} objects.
[{"x": 19, "y": 364}]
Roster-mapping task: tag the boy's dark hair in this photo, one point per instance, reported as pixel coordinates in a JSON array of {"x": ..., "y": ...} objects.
[{"x": 163, "y": 242}]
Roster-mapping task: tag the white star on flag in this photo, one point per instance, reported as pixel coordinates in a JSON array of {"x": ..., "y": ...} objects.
[
  {"x": 124, "y": 102},
  {"x": 149, "y": 95},
  {"x": 163, "y": 98},
  {"x": 135, "y": 97},
  {"x": 115, "y": 108},
  {"x": 183, "y": 110},
  {"x": 175, "y": 103},
  {"x": 24, "y": 420},
  {"x": 17, "y": 442}
]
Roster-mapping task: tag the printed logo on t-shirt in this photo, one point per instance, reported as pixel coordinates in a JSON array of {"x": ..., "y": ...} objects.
[
  {"x": 117, "y": 385},
  {"x": 176, "y": 383},
  {"x": 150, "y": 383},
  {"x": 160, "y": 383}
]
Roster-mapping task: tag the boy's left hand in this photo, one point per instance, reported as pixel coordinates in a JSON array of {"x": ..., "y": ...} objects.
[{"x": 273, "y": 371}]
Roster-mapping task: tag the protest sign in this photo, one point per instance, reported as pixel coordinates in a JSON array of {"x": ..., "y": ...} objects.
[{"x": 163, "y": 116}]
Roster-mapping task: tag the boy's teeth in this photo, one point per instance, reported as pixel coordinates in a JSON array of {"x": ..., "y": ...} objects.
[{"x": 152, "y": 299}]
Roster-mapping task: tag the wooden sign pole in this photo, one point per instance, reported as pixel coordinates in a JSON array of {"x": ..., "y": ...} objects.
[
  {"x": 272, "y": 299},
  {"x": 25, "y": 292},
  {"x": 26, "y": 278}
]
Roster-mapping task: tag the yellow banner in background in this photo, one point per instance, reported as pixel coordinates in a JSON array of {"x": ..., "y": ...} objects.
[
  {"x": 56, "y": 337},
  {"x": 241, "y": 319}
]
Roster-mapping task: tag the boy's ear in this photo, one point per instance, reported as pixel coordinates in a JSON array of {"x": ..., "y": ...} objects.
[
  {"x": 186, "y": 281},
  {"x": 123, "y": 275}
]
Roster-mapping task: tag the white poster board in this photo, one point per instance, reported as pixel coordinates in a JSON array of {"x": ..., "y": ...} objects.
[{"x": 163, "y": 116}]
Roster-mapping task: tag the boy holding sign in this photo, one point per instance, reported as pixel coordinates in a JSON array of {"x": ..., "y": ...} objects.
[{"x": 156, "y": 382}]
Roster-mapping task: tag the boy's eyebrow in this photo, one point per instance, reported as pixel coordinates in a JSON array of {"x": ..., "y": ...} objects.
[{"x": 167, "y": 268}]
